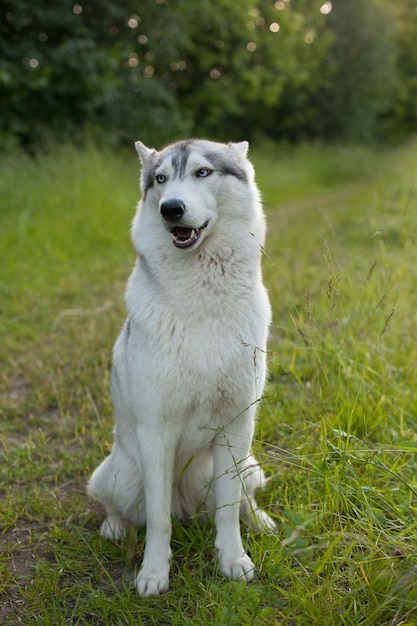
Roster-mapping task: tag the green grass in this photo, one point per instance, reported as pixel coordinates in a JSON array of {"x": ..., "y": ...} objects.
[{"x": 337, "y": 431}]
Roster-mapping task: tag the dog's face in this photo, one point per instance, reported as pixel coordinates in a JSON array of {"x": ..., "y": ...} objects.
[{"x": 191, "y": 185}]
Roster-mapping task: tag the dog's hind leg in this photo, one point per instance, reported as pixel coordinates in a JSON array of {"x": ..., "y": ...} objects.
[
  {"x": 254, "y": 479},
  {"x": 116, "y": 484}
]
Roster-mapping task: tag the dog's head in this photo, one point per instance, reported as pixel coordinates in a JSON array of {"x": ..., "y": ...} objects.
[{"x": 193, "y": 184}]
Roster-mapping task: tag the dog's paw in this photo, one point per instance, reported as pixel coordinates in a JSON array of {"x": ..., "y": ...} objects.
[
  {"x": 150, "y": 582},
  {"x": 241, "y": 568},
  {"x": 263, "y": 521},
  {"x": 113, "y": 528}
]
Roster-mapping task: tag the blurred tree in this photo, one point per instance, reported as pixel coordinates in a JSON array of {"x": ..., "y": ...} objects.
[
  {"x": 163, "y": 69},
  {"x": 53, "y": 75},
  {"x": 401, "y": 119},
  {"x": 226, "y": 63},
  {"x": 294, "y": 115},
  {"x": 64, "y": 71},
  {"x": 158, "y": 71},
  {"x": 359, "y": 70},
  {"x": 235, "y": 63}
]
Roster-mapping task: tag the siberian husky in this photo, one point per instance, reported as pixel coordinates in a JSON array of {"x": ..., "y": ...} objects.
[{"x": 189, "y": 364}]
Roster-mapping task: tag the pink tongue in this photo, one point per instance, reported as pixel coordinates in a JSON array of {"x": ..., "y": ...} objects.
[{"x": 183, "y": 233}]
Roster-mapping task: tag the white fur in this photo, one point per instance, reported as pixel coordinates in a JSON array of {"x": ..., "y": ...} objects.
[{"x": 189, "y": 366}]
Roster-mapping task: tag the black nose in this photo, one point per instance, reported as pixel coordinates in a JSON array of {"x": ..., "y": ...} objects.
[{"x": 172, "y": 210}]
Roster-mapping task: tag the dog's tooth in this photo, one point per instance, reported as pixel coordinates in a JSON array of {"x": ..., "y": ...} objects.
[{"x": 192, "y": 234}]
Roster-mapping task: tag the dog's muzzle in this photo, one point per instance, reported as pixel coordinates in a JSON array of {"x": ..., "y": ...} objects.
[{"x": 183, "y": 236}]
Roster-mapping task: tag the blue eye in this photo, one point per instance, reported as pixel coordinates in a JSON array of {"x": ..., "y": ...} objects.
[
  {"x": 203, "y": 172},
  {"x": 161, "y": 178}
]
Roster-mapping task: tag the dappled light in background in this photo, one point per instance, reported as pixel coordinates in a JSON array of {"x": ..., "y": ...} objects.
[
  {"x": 285, "y": 68},
  {"x": 326, "y": 8}
]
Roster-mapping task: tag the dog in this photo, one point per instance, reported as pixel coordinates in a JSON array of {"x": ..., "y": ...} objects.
[{"x": 189, "y": 365}]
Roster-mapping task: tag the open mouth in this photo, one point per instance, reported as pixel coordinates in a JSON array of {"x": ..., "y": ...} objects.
[{"x": 185, "y": 237}]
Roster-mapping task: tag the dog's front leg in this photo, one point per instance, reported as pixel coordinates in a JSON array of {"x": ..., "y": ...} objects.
[
  {"x": 233, "y": 560},
  {"x": 157, "y": 461}
]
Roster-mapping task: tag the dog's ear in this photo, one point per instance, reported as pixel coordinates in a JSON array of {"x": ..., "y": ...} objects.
[
  {"x": 241, "y": 148},
  {"x": 145, "y": 153}
]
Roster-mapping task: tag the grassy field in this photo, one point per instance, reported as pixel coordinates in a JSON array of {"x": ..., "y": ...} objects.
[{"x": 336, "y": 432}]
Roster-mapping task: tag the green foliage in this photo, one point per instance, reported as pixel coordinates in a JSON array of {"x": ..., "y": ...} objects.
[
  {"x": 54, "y": 75},
  {"x": 161, "y": 70},
  {"x": 401, "y": 119},
  {"x": 360, "y": 80}
]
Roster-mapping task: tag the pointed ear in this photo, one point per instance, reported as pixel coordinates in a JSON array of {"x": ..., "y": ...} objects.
[
  {"x": 145, "y": 153},
  {"x": 241, "y": 148}
]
